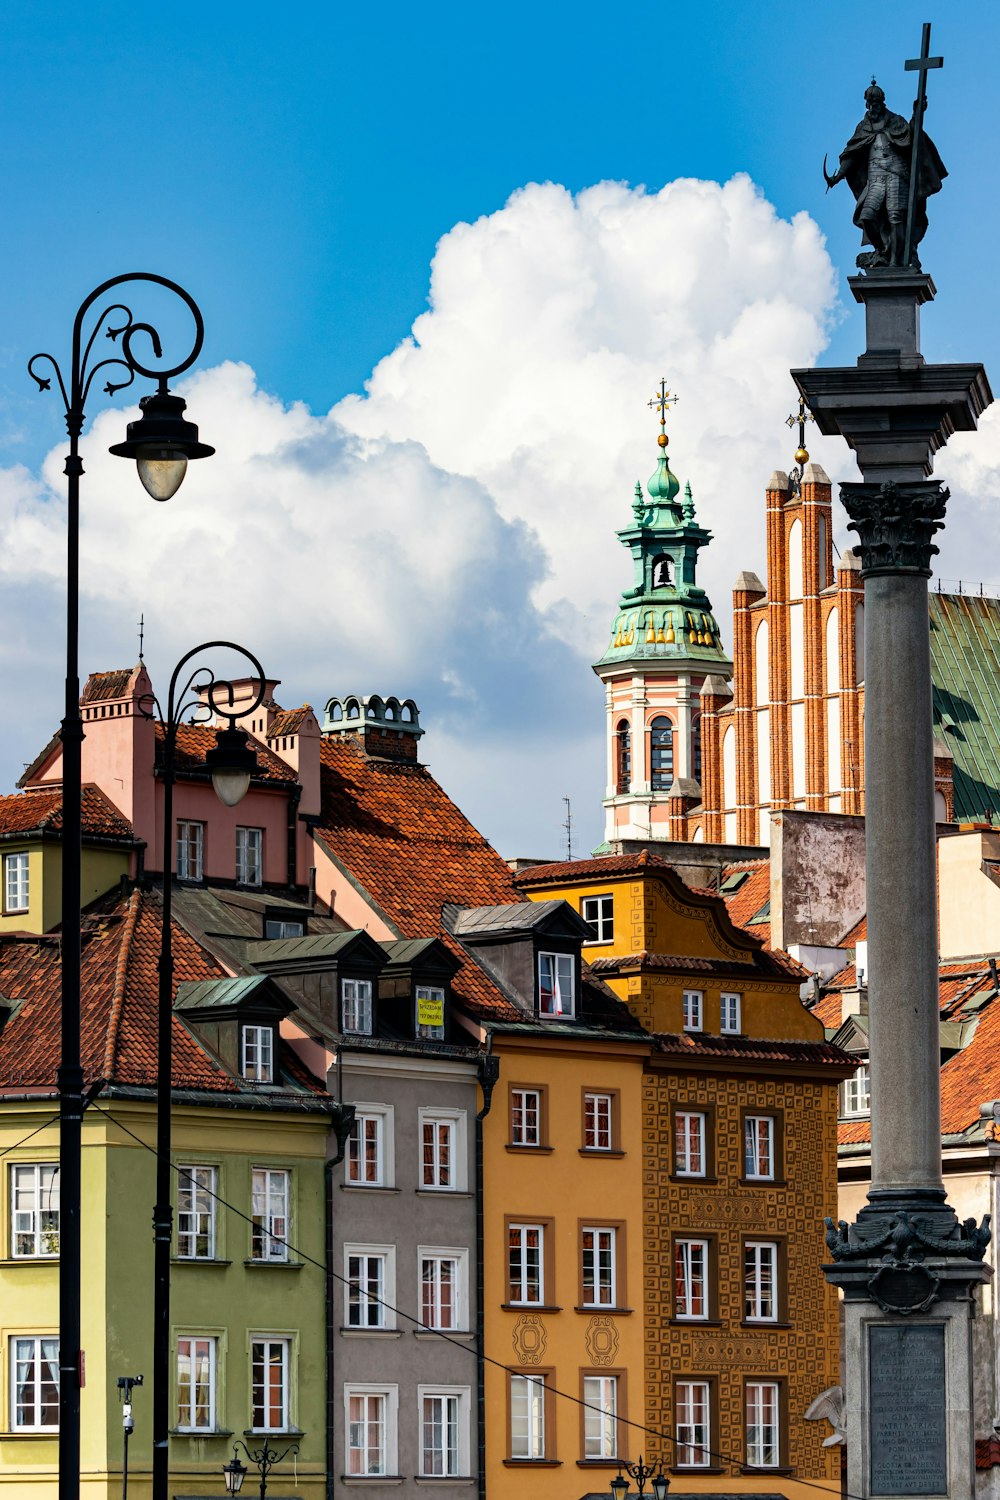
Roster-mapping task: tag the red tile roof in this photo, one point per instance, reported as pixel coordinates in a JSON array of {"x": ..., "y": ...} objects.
[
  {"x": 118, "y": 1021},
  {"x": 40, "y": 811},
  {"x": 767, "y": 961},
  {"x": 746, "y": 1048},
  {"x": 751, "y": 896},
  {"x": 288, "y": 720},
  {"x": 857, "y": 934},
  {"x": 195, "y": 740},
  {"x": 101, "y": 686},
  {"x": 988, "y": 1452}
]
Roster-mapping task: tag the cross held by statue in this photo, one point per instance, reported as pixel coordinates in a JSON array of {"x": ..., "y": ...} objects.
[{"x": 918, "y": 65}]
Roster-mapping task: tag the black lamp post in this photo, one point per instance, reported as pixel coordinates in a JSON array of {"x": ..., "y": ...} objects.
[
  {"x": 263, "y": 1460},
  {"x": 231, "y": 763},
  {"x": 640, "y": 1472},
  {"x": 180, "y": 440}
]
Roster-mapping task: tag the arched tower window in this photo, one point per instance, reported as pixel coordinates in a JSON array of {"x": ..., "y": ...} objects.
[
  {"x": 696, "y": 748},
  {"x": 661, "y": 754},
  {"x": 663, "y": 571},
  {"x": 624, "y": 756}
]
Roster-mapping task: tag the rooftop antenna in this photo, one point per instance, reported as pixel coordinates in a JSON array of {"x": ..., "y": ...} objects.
[
  {"x": 568, "y": 825},
  {"x": 142, "y": 627}
]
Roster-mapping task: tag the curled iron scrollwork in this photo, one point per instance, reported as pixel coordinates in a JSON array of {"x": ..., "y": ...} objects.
[{"x": 203, "y": 690}]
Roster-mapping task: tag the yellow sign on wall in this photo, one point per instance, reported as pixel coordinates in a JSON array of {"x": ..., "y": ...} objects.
[{"x": 430, "y": 1011}]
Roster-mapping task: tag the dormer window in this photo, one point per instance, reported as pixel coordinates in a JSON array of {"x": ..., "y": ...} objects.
[
  {"x": 556, "y": 987},
  {"x": 430, "y": 1012},
  {"x": 356, "y": 1006},
  {"x": 856, "y": 1092},
  {"x": 279, "y": 929},
  {"x": 258, "y": 1054},
  {"x": 15, "y": 882}
]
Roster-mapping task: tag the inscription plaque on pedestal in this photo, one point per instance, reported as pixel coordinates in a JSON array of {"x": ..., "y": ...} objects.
[{"x": 909, "y": 1439}]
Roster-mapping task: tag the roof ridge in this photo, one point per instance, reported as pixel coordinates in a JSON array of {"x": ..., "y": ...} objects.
[{"x": 121, "y": 975}]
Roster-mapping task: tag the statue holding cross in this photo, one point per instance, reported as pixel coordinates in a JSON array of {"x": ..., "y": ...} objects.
[{"x": 892, "y": 167}]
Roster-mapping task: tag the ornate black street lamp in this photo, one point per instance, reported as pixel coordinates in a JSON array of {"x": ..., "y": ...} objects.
[
  {"x": 263, "y": 1460},
  {"x": 161, "y": 463},
  {"x": 231, "y": 763},
  {"x": 640, "y": 1472}
]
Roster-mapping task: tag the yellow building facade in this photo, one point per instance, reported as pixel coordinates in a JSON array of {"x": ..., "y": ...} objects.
[{"x": 739, "y": 1108}]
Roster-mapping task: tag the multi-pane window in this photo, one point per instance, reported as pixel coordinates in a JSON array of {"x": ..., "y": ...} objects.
[
  {"x": 661, "y": 754},
  {"x": 598, "y": 1118},
  {"x": 366, "y": 1150},
  {"x": 367, "y": 1432},
  {"x": 430, "y": 1012},
  {"x": 356, "y": 998},
  {"x": 196, "y": 1384},
  {"x": 693, "y": 1424},
  {"x": 525, "y": 1117},
  {"x": 758, "y": 1147},
  {"x": 623, "y": 734},
  {"x": 599, "y": 914},
  {"x": 270, "y": 1209},
  {"x": 15, "y": 882},
  {"x": 275, "y": 928},
  {"x": 600, "y": 1416},
  {"x": 190, "y": 850},
  {"x": 250, "y": 856},
  {"x": 196, "y": 1190},
  {"x": 694, "y": 1006},
  {"x": 555, "y": 984},
  {"x": 760, "y": 1281},
  {"x": 527, "y": 1416},
  {"x": 437, "y": 1152},
  {"x": 599, "y": 1271},
  {"x": 690, "y": 1278},
  {"x": 856, "y": 1092},
  {"x": 34, "y": 1209},
  {"x": 258, "y": 1053},
  {"x": 441, "y": 1422},
  {"x": 441, "y": 1290},
  {"x": 34, "y": 1384},
  {"x": 729, "y": 1005},
  {"x": 269, "y": 1384},
  {"x": 689, "y": 1144},
  {"x": 525, "y": 1262},
  {"x": 365, "y": 1293},
  {"x": 762, "y": 1424}
]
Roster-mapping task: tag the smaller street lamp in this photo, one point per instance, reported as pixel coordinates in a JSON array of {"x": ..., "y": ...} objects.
[
  {"x": 263, "y": 1460},
  {"x": 161, "y": 442},
  {"x": 640, "y": 1472}
]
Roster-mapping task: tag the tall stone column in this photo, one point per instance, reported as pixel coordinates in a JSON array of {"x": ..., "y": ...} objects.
[{"x": 906, "y": 1267}]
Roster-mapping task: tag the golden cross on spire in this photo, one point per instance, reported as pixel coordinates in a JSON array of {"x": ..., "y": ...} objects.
[{"x": 662, "y": 403}]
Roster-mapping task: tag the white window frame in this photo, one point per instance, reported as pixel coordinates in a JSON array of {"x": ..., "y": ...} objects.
[
  {"x": 379, "y": 1116},
  {"x": 562, "y": 984},
  {"x": 257, "y": 1053},
  {"x": 190, "y": 840},
  {"x": 389, "y": 1420},
  {"x": 459, "y": 1257},
  {"x": 763, "y": 1438},
  {"x": 521, "y": 1113},
  {"x": 276, "y": 1209},
  {"x": 380, "y": 1302},
  {"x": 456, "y": 1122},
  {"x": 760, "y": 1280},
  {"x": 530, "y": 1389},
  {"x": 683, "y": 1155},
  {"x": 28, "y": 1221},
  {"x": 461, "y": 1462},
  {"x": 428, "y": 1032},
  {"x": 690, "y": 1278},
  {"x": 356, "y": 1006},
  {"x": 752, "y": 1153},
  {"x": 524, "y": 1252},
  {"x": 249, "y": 856},
  {"x": 268, "y": 1341},
  {"x": 37, "y": 1340},
  {"x": 730, "y": 1012},
  {"x": 599, "y": 913},
  {"x": 16, "y": 882},
  {"x": 609, "y": 1101},
  {"x": 694, "y": 1010},
  {"x": 602, "y": 1258},
  {"x": 213, "y": 1386},
  {"x": 856, "y": 1093},
  {"x": 693, "y": 1436},
  {"x": 284, "y": 929},
  {"x": 195, "y": 1179},
  {"x": 600, "y": 1426}
]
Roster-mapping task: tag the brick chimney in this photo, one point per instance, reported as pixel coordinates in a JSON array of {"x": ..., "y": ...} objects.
[{"x": 386, "y": 728}]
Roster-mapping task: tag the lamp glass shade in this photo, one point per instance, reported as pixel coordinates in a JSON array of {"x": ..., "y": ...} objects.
[
  {"x": 235, "y": 1473},
  {"x": 619, "y": 1487},
  {"x": 231, "y": 786},
  {"x": 231, "y": 762},
  {"x": 161, "y": 471},
  {"x": 661, "y": 1485}
]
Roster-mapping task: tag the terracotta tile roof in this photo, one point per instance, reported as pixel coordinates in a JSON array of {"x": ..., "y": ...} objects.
[
  {"x": 769, "y": 961},
  {"x": 988, "y": 1452},
  {"x": 118, "y": 1021},
  {"x": 857, "y": 934},
  {"x": 751, "y": 896},
  {"x": 580, "y": 869},
  {"x": 40, "y": 811},
  {"x": 101, "y": 686},
  {"x": 195, "y": 740},
  {"x": 829, "y": 1007},
  {"x": 288, "y": 720},
  {"x": 687, "y": 1044}
]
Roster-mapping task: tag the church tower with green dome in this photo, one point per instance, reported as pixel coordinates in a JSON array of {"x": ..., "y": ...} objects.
[{"x": 665, "y": 644}]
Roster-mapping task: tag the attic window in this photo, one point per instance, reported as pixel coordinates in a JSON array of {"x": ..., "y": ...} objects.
[
  {"x": 258, "y": 1054},
  {"x": 855, "y": 1092},
  {"x": 556, "y": 988},
  {"x": 356, "y": 998},
  {"x": 278, "y": 928},
  {"x": 733, "y": 881},
  {"x": 430, "y": 1013}
]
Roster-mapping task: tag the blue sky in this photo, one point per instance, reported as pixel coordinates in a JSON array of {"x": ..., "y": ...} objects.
[{"x": 295, "y": 167}]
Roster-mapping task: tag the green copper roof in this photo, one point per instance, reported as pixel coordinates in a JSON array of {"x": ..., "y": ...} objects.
[{"x": 965, "y": 673}]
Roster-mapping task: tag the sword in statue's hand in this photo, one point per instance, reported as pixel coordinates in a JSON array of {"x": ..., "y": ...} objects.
[{"x": 831, "y": 181}]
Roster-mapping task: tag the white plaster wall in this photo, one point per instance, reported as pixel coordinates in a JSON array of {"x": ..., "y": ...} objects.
[
  {"x": 795, "y": 560},
  {"x": 762, "y": 693},
  {"x": 796, "y": 651},
  {"x": 798, "y": 749},
  {"x": 969, "y": 901},
  {"x": 833, "y": 744},
  {"x": 764, "y": 755},
  {"x": 833, "y": 651},
  {"x": 729, "y": 769}
]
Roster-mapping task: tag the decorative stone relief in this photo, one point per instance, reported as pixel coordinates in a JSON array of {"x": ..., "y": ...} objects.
[
  {"x": 529, "y": 1339},
  {"x": 602, "y": 1341},
  {"x": 895, "y": 523}
]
